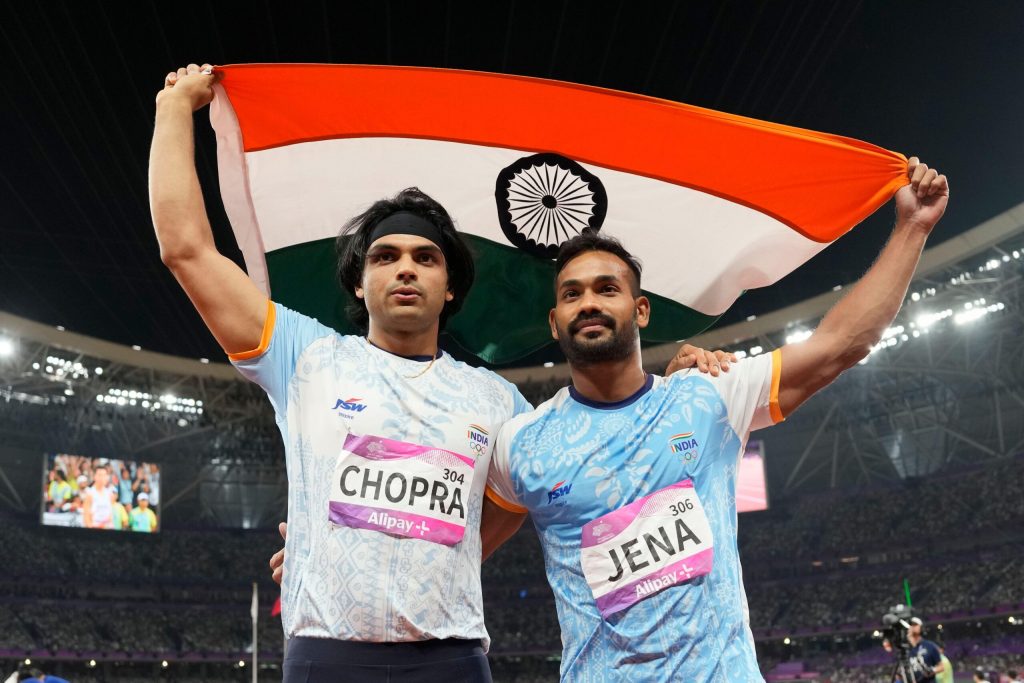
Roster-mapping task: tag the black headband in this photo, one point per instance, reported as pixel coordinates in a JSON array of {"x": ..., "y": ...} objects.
[{"x": 407, "y": 223}]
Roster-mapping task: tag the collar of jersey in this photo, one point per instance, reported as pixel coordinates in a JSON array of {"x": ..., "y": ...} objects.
[
  {"x": 614, "y": 405},
  {"x": 421, "y": 359}
]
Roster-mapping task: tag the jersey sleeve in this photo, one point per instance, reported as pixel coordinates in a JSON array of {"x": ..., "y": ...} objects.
[
  {"x": 751, "y": 392},
  {"x": 500, "y": 487},
  {"x": 286, "y": 334},
  {"x": 519, "y": 403}
]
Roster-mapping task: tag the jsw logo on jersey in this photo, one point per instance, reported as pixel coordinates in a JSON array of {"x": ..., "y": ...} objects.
[
  {"x": 351, "y": 405},
  {"x": 558, "y": 490}
]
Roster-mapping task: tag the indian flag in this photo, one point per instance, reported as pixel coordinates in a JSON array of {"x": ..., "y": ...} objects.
[{"x": 713, "y": 204}]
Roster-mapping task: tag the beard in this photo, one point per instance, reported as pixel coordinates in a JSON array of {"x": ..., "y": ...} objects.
[{"x": 583, "y": 352}]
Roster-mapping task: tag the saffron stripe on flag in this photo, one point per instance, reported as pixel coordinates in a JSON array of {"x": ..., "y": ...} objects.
[{"x": 523, "y": 164}]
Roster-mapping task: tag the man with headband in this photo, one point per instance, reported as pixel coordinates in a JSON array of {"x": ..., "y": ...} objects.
[
  {"x": 640, "y": 547},
  {"x": 387, "y": 439}
]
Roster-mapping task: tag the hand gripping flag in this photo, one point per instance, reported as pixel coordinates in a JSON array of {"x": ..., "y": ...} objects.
[{"x": 713, "y": 204}]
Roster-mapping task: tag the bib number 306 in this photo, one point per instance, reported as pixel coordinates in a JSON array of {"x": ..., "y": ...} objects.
[{"x": 681, "y": 507}]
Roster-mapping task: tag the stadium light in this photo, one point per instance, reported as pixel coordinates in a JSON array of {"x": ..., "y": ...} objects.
[
  {"x": 926, "y": 320},
  {"x": 7, "y": 347},
  {"x": 164, "y": 664},
  {"x": 241, "y": 663},
  {"x": 92, "y": 663},
  {"x": 98, "y": 371},
  {"x": 798, "y": 336},
  {"x": 892, "y": 331},
  {"x": 549, "y": 364},
  {"x": 786, "y": 640}
]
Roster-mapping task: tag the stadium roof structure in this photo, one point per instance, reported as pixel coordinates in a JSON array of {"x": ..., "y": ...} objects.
[{"x": 944, "y": 386}]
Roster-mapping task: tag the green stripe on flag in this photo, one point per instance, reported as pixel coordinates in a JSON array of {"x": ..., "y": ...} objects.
[{"x": 504, "y": 318}]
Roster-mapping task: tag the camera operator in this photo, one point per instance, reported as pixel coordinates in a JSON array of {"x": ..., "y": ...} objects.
[{"x": 925, "y": 658}]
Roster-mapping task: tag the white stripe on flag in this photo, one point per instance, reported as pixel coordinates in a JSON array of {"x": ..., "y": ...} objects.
[{"x": 698, "y": 249}]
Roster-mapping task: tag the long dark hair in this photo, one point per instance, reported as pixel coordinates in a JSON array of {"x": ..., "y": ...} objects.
[{"x": 353, "y": 242}]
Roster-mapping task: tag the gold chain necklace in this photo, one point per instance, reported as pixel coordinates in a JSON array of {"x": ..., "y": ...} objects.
[
  {"x": 423, "y": 371},
  {"x": 418, "y": 374}
]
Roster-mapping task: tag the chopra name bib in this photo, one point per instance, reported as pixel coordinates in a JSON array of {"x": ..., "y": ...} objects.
[
  {"x": 401, "y": 489},
  {"x": 642, "y": 548}
]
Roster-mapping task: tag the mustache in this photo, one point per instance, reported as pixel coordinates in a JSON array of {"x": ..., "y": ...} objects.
[
  {"x": 392, "y": 290},
  {"x": 587, "y": 318}
]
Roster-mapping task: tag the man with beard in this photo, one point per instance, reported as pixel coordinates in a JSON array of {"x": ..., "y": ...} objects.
[{"x": 630, "y": 479}]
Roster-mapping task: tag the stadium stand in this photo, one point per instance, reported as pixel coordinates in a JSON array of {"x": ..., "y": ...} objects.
[{"x": 908, "y": 468}]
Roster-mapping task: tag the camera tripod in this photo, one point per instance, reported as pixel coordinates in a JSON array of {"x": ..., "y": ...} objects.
[{"x": 902, "y": 671}]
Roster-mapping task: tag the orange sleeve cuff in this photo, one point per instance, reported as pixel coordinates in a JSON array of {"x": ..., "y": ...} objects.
[
  {"x": 773, "y": 405},
  {"x": 268, "y": 332},
  {"x": 502, "y": 503}
]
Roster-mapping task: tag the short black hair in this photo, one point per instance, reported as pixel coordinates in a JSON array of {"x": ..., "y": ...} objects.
[
  {"x": 591, "y": 240},
  {"x": 354, "y": 241}
]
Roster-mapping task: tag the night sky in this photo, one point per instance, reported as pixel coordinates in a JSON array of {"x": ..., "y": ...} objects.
[{"x": 942, "y": 80}]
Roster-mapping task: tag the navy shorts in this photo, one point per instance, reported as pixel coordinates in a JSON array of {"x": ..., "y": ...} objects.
[{"x": 325, "y": 660}]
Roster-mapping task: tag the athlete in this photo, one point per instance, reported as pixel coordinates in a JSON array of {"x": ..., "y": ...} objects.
[
  {"x": 388, "y": 440},
  {"x": 630, "y": 479},
  {"x": 98, "y": 500}
]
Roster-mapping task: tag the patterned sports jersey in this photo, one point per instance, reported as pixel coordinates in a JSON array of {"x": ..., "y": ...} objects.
[
  {"x": 574, "y": 463},
  {"x": 328, "y": 391}
]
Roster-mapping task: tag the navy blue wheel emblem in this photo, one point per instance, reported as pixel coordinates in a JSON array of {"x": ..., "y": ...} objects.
[{"x": 545, "y": 200}]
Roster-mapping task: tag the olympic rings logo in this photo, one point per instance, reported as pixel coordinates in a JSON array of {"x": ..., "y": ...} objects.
[
  {"x": 690, "y": 456},
  {"x": 477, "y": 448}
]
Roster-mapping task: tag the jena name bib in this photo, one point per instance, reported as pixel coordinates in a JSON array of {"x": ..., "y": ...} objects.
[
  {"x": 642, "y": 548},
  {"x": 401, "y": 489}
]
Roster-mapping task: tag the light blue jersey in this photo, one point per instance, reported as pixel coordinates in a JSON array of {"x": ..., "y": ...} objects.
[
  {"x": 571, "y": 462},
  {"x": 370, "y": 578}
]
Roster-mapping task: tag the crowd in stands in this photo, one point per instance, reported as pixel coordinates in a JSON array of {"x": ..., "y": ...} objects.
[
  {"x": 186, "y": 592},
  {"x": 911, "y": 515}
]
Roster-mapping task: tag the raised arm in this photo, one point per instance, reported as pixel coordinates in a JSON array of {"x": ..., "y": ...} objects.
[
  {"x": 857, "y": 323},
  {"x": 230, "y": 304}
]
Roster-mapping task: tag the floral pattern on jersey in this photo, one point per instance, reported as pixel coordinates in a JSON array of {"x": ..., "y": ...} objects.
[
  {"x": 694, "y": 631},
  {"x": 354, "y": 584}
]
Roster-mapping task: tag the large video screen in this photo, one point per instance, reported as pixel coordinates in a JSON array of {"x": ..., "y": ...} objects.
[
  {"x": 101, "y": 493},
  {"x": 751, "y": 486}
]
